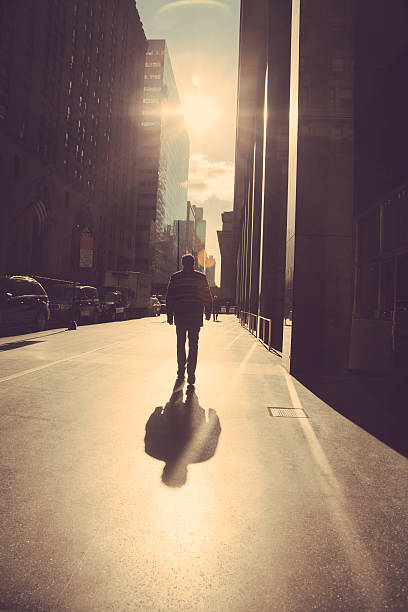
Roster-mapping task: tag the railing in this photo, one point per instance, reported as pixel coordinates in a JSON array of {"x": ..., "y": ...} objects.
[
  {"x": 258, "y": 326},
  {"x": 265, "y": 330}
]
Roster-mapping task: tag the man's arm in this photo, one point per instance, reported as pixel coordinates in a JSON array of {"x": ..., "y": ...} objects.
[{"x": 170, "y": 301}]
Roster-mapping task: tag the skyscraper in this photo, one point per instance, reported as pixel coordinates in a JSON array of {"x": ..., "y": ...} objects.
[
  {"x": 163, "y": 160},
  {"x": 200, "y": 231},
  {"x": 321, "y": 181},
  {"x": 227, "y": 280},
  {"x": 70, "y": 106},
  {"x": 210, "y": 270}
]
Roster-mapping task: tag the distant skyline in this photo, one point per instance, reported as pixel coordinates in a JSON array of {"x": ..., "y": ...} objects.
[{"x": 202, "y": 38}]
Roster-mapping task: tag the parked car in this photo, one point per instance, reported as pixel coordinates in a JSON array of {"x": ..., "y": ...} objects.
[
  {"x": 82, "y": 305},
  {"x": 88, "y": 307},
  {"x": 61, "y": 296},
  {"x": 24, "y": 304},
  {"x": 114, "y": 305},
  {"x": 155, "y": 307},
  {"x": 162, "y": 301}
]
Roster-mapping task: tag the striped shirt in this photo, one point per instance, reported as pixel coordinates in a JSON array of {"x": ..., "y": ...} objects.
[{"x": 188, "y": 294}]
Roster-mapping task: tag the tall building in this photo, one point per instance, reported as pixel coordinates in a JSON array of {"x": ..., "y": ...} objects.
[
  {"x": 261, "y": 161},
  {"x": 318, "y": 274},
  {"x": 381, "y": 177},
  {"x": 163, "y": 161},
  {"x": 225, "y": 236},
  {"x": 70, "y": 106},
  {"x": 183, "y": 232},
  {"x": 321, "y": 179},
  {"x": 200, "y": 232},
  {"x": 210, "y": 270}
]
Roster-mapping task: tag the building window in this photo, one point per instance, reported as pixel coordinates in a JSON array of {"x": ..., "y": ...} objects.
[
  {"x": 346, "y": 97},
  {"x": 332, "y": 97},
  {"x": 336, "y": 133},
  {"x": 304, "y": 96},
  {"x": 23, "y": 127},
  {"x": 337, "y": 64},
  {"x": 16, "y": 167},
  {"x": 339, "y": 35}
]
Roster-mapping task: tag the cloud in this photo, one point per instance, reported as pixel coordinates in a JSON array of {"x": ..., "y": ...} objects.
[
  {"x": 210, "y": 179},
  {"x": 197, "y": 186}
]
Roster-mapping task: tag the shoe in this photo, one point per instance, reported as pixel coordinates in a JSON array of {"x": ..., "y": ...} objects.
[{"x": 191, "y": 379}]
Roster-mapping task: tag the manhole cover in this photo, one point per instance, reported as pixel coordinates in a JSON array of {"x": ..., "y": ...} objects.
[{"x": 287, "y": 412}]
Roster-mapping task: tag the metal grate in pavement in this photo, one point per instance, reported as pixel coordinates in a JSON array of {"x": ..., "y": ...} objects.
[{"x": 287, "y": 412}]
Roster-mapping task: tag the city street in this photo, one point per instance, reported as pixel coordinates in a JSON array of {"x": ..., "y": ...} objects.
[{"x": 253, "y": 511}]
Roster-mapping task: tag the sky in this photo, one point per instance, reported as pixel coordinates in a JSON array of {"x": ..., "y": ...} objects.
[{"x": 202, "y": 39}]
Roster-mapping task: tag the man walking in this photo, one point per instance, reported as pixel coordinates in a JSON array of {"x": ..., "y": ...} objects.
[
  {"x": 188, "y": 295},
  {"x": 216, "y": 307}
]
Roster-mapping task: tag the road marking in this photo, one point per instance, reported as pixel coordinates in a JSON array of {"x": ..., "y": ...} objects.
[{"x": 53, "y": 363}]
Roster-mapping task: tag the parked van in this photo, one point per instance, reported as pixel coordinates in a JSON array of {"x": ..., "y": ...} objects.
[{"x": 24, "y": 304}]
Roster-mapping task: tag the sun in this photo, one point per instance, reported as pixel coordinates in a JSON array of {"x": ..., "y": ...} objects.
[{"x": 200, "y": 112}]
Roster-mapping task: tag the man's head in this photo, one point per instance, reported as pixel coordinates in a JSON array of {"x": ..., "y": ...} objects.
[{"x": 187, "y": 261}]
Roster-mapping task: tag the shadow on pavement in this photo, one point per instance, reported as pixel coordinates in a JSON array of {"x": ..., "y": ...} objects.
[
  {"x": 8, "y": 346},
  {"x": 181, "y": 433},
  {"x": 377, "y": 404}
]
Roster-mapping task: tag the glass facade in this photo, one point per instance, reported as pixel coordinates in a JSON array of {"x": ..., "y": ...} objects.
[{"x": 163, "y": 159}]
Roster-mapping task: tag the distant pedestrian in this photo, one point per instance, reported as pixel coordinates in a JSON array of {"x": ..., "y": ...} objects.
[
  {"x": 188, "y": 295},
  {"x": 216, "y": 308},
  {"x": 227, "y": 307}
]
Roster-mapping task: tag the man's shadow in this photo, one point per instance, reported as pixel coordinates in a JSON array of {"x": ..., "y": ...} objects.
[{"x": 181, "y": 433}]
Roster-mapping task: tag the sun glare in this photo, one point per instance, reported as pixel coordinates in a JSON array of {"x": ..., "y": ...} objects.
[{"x": 200, "y": 112}]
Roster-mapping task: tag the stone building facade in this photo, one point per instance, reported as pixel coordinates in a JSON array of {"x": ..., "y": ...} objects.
[{"x": 70, "y": 107}]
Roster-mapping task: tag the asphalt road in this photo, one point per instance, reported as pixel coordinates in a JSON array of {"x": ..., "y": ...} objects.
[{"x": 119, "y": 493}]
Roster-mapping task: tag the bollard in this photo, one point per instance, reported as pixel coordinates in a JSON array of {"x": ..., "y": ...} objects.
[{"x": 72, "y": 325}]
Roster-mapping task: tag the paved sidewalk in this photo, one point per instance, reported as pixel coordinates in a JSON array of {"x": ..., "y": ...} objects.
[{"x": 253, "y": 512}]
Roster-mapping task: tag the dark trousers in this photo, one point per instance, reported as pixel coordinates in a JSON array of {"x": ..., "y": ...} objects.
[{"x": 192, "y": 349}]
